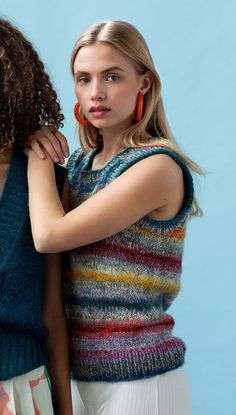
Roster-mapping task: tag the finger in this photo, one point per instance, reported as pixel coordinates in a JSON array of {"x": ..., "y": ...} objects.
[
  {"x": 52, "y": 148},
  {"x": 63, "y": 143},
  {"x": 47, "y": 139},
  {"x": 55, "y": 138},
  {"x": 56, "y": 145},
  {"x": 37, "y": 149}
]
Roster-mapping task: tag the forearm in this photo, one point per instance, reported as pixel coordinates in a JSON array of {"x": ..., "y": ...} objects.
[
  {"x": 59, "y": 367},
  {"x": 57, "y": 342},
  {"x": 44, "y": 202}
]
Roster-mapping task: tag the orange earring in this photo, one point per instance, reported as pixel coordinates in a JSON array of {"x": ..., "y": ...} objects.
[
  {"x": 139, "y": 114},
  {"x": 80, "y": 120}
]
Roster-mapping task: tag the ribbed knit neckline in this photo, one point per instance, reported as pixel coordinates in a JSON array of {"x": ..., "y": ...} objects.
[
  {"x": 12, "y": 204},
  {"x": 91, "y": 155}
]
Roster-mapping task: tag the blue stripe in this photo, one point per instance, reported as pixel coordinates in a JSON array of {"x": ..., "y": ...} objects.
[{"x": 93, "y": 302}]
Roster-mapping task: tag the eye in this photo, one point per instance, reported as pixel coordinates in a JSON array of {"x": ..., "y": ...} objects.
[
  {"x": 82, "y": 80},
  {"x": 112, "y": 77}
]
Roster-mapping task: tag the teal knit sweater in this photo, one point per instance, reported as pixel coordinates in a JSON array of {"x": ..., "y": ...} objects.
[
  {"x": 22, "y": 333},
  {"x": 118, "y": 289}
]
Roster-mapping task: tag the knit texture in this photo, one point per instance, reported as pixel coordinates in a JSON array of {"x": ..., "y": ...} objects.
[
  {"x": 117, "y": 290},
  {"x": 22, "y": 333}
]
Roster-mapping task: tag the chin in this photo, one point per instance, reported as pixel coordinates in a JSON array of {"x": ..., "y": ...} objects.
[{"x": 101, "y": 124}]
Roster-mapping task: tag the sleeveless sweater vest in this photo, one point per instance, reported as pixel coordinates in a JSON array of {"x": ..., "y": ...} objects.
[
  {"x": 22, "y": 333},
  {"x": 117, "y": 290}
]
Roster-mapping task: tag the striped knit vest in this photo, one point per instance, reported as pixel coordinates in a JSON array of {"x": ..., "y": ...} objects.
[{"x": 117, "y": 290}]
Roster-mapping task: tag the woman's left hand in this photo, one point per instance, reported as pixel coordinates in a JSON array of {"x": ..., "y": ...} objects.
[{"x": 48, "y": 141}]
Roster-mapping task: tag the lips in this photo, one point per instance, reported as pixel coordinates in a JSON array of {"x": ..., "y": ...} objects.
[{"x": 99, "y": 110}]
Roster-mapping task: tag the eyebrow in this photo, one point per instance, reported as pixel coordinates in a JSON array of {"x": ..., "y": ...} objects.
[{"x": 110, "y": 69}]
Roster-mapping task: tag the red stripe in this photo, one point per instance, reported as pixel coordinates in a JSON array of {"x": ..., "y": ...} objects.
[
  {"x": 133, "y": 256},
  {"x": 129, "y": 326}
]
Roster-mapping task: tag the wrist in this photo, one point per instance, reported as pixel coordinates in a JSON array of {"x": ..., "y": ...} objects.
[{"x": 33, "y": 156}]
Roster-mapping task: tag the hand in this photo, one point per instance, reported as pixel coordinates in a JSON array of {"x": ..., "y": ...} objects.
[{"x": 49, "y": 141}]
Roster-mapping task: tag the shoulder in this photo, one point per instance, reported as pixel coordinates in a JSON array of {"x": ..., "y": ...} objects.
[
  {"x": 160, "y": 166},
  {"x": 155, "y": 171},
  {"x": 152, "y": 157},
  {"x": 160, "y": 169}
]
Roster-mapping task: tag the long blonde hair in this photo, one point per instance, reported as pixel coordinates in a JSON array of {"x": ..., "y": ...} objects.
[{"x": 126, "y": 38}]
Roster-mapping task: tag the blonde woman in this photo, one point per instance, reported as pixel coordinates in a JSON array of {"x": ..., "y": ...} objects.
[{"x": 131, "y": 195}]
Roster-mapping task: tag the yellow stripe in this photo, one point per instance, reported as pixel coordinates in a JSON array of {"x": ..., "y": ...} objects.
[
  {"x": 172, "y": 287},
  {"x": 144, "y": 231}
]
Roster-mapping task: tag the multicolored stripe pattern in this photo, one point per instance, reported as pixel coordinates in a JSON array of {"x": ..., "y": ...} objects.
[{"x": 117, "y": 290}]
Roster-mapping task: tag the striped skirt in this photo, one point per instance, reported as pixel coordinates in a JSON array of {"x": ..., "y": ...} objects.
[{"x": 28, "y": 394}]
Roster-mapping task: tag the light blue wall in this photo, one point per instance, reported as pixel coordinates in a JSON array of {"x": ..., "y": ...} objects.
[{"x": 193, "y": 44}]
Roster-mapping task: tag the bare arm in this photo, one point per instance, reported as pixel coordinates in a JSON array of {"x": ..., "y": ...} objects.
[
  {"x": 57, "y": 342},
  {"x": 153, "y": 184}
]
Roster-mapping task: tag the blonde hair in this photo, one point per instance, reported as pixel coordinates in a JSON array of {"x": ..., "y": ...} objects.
[{"x": 126, "y": 38}]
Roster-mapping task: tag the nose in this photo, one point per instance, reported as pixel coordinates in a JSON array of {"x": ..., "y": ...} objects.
[{"x": 97, "y": 93}]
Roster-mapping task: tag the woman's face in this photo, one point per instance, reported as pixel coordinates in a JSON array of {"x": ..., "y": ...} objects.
[{"x": 107, "y": 86}]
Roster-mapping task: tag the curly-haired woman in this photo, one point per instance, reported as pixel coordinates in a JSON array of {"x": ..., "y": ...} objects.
[{"x": 31, "y": 312}]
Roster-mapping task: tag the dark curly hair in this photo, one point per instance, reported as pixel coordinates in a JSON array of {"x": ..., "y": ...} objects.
[{"x": 27, "y": 97}]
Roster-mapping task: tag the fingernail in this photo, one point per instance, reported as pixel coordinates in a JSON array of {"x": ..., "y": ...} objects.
[{"x": 56, "y": 159}]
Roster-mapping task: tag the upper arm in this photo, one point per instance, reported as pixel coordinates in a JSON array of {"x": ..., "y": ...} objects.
[{"x": 151, "y": 184}]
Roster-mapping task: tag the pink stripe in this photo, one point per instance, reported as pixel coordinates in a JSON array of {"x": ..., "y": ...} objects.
[
  {"x": 35, "y": 382},
  {"x": 4, "y": 399},
  {"x": 126, "y": 354}
]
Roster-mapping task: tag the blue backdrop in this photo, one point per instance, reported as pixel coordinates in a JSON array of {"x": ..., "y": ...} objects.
[{"x": 193, "y": 45}]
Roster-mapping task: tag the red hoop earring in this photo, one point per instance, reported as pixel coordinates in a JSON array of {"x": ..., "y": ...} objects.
[
  {"x": 139, "y": 113},
  {"x": 80, "y": 120}
]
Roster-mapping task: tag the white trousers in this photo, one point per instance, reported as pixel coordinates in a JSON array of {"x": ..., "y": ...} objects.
[{"x": 167, "y": 394}]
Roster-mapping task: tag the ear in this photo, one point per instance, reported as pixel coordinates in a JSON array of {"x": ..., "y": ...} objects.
[{"x": 146, "y": 82}]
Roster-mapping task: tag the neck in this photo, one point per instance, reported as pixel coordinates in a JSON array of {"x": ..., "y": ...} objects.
[
  {"x": 5, "y": 156},
  {"x": 112, "y": 136},
  {"x": 110, "y": 148}
]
